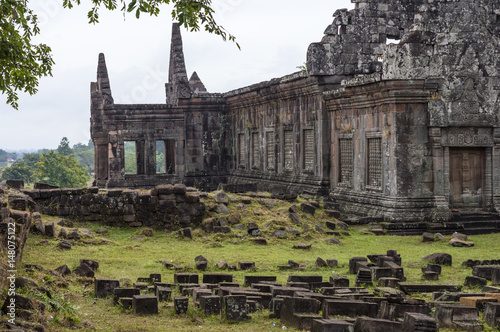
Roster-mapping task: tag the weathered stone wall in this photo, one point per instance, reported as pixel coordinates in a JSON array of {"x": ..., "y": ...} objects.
[
  {"x": 164, "y": 207},
  {"x": 280, "y": 139}
]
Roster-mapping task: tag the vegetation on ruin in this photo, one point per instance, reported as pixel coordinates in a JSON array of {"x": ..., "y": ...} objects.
[{"x": 133, "y": 252}]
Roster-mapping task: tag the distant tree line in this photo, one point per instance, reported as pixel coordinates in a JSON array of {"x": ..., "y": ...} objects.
[
  {"x": 65, "y": 167},
  {"x": 4, "y": 155}
]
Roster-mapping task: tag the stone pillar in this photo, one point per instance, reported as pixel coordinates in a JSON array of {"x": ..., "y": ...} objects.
[{"x": 496, "y": 169}]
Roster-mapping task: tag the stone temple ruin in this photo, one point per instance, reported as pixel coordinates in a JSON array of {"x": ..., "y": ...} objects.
[{"x": 397, "y": 116}]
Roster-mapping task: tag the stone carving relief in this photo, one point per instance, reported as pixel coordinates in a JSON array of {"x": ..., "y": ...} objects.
[{"x": 468, "y": 137}]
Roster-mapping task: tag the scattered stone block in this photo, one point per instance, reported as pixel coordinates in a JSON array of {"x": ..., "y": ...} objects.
[
  {"x": 210, "y": 305},
  {"x": 460, "y": 243},
  {"x": 388, "y": 282},
  {"x": 63, "y": 270},
  {"x": 395, "y": 309},
  {"x": 251, "y": 279},
  {"x": 126, "y": 302},
  {"x": 275, "y": 307},
  {"x": 320, "y": 262},
  {"x": 303, "y": 246},
  {"x": 186, "y": 232},
  {"x": 332, "y": 262},
  {"x": 120, "y": 292},
  {"x": 367, "y": 324},
  {"x": 427, "y": 237},
  {"x": 458, "y": 317},
  {"x": 91, "y": 263},
  {"x": 246, "y": 266},
  {"x": 415, "y": 322},
  {"x": 430, "y": 275},
  {"x": 50, "y": 229},
  {"x": 339, "y": 281},
  {"x": 432, "y": 267},
  {"x": 409, "y": 287},
  {"x": 105, "y": 287},
  {"x": 459, "y": 236},
  {"x": 350, "y": 308},
  {"x": 163, "y": 293},
  {"x": 476, "y": 301},
  {"x": 299, "y": 312},
  {"x": 330, "y": 325},
  {"x": 186, "y": 278},
  {"x": 145, "y": 304},
  {"x": 181, "y": 304},
  {"x": 83, "y": 270},
  {"x": 363, "y": 277},
  {"x": 234, "y": 308},
  {"x": 216, "y": 278},
  {"x": 485, "y": 271},
  {"x": 438, "y": 258},
  {"x": 197, "y": 293},
  {"x": 472, "y": 281},
  {"x": 65, "y": 245},
  {"x": 491, "y": 314},
  {"x": 353, "y": 264}
]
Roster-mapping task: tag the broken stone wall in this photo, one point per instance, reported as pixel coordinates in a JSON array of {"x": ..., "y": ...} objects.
[{"x": 164, "y": 207}]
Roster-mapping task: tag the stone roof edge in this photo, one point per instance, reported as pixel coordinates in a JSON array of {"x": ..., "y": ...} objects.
[{"x": 275, "y": 81}]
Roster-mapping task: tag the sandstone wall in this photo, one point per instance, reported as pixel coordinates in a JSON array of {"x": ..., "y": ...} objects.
[{"x": 163, "y": 207}]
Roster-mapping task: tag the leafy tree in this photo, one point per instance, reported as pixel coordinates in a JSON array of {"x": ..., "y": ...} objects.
[
  {"x": 130, "y": 158},
  {"x": 23, "y": 63},
  {"x": 19, "y": 171},
  {"x": 64, "y": 147},
  {"x": 60, "y": 170},
  {"x": 32, "y": 158},
  {"x": 85, "y": 156}
]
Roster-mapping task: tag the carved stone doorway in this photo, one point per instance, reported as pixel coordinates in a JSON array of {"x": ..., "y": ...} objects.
[{"x": 467, "y": 178}]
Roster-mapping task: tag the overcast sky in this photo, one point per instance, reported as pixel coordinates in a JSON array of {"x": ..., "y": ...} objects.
[{"x": 273, "y": 35}]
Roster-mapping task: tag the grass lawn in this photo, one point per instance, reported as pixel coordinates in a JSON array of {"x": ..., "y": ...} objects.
[{"x": 128, "y": 253}]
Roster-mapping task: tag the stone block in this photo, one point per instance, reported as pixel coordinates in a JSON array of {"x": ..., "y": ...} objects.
[
  {"x": 491, "y": 314},
  {"x": 305, "y": 278},
  {"x": 50, "y": 229},
  {"x": 299, "y": 312},
  {"x": 198, "y": 293},
  {"x": 395, "y": 310},
  {"x": 339, "y": 281},
  {"x": 251, "y": 279},
  {"x": 163, "y": 293},
  {"x": 181, "y": 304},
  {"x": 388, "y": 282},
  {"x": 186, "y": 278},
  {"x": 330, "y": 325},
  {"x": 380, "y": 272},
  {"x": 210, "y": 305},
  {"x": 83, "y": 270},
  {"x": 430, "y": 275},
  {"x": 234, "y": 308},
  {"x": 351, "y": 308},
  {"x": 353, "y": 264},
  {"x": 126, "y": 302},
  {"x": 120, "y": 292},
  {"x": 438, "y": 258},
  {"x": 275, "y": 307},
  {"x": 145, "y": 304},
  {"x": 366, "y": 324},
  {"x": 216, "y": 278},
  {"x": 472, "y": 281},
  {"x": 415, "y": 322},
  {"x": 105, "y": 287},
  {"x": 456, "y": 316},
  {"x": 476, "y": 302},
  {"x": 246, "y": 266}
]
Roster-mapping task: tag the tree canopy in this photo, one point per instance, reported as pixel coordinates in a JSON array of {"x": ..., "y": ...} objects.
[{"x": 22, "y": 63}]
